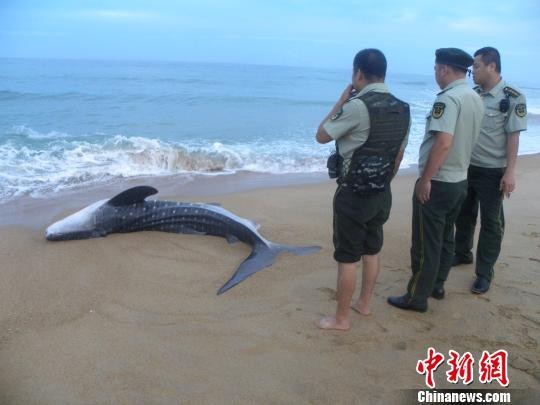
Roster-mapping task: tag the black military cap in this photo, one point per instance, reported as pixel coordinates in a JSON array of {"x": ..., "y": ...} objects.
[{"x": 454, "y": 57}]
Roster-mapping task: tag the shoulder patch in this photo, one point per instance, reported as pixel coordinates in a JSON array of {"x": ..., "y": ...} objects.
[
  {"x": 336, "y": 115},
  {"x": 521, "y": 110},
  {"x": 438, "y": 110},
  {"x": 509, "y": 91}
]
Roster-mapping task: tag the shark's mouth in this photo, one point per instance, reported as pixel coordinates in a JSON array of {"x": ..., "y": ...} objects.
[{"x": 71, "y": 235}]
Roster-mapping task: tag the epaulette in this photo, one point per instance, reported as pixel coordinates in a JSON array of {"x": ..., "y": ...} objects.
[
  {"x": 478, "y": 89},
  {"x": 509, "y": 91}
]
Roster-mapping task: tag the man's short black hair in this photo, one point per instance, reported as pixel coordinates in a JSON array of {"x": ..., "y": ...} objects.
[
  {"x": 372, "y": 63},
  {"x": 489, "y": 55}
]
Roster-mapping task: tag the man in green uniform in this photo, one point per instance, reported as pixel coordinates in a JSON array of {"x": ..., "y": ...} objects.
[
  {"x": 452, "y": 128},
  {"x": 491, "y": 173},
  {"x": 370, "y": 127}
]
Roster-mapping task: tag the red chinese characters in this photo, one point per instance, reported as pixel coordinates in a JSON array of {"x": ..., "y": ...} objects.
[
  {"x": 494, "y": 367},
  {"x": 491, "y": 367},
  {"x": 429, "y": 366},
  {"x": 461, "y": 368}
]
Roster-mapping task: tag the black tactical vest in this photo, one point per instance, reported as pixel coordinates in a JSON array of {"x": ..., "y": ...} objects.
[{"x": 372, "y": 164}]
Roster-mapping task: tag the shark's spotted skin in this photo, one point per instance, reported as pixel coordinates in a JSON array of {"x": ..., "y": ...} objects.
[{"x": 130, "y": 212}]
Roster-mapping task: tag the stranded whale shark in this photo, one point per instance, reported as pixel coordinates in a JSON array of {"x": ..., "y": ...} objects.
[{"x": 129, "y": 211}]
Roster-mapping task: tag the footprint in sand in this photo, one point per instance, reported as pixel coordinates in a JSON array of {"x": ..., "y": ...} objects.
[
  {"x": 400, "y": 346},
  {"x": 426, "y": 326},
  {"x": 331, "y": 293},
  {"x": 531, "y": 234},
  {"x": 506, "y": 311},
  {"x": 472, "y": 296},
  {"x": 392, "y": 287},
  {"x": 394, "y": 269},
  {"x": 534, "y": 318},
  {"x": 382, "y": 328},
  {"x": 524, "y": 364}
]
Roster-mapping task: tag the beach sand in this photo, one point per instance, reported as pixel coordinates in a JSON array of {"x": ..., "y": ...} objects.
[{"x": 135, "y": 319}]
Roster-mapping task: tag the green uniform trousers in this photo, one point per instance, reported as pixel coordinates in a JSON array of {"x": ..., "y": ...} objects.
[
  {"x": 432, "y": 247},
  {"x": 484, "y": 191}
]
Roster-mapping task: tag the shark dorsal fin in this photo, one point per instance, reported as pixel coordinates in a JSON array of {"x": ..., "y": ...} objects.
[{"x": 132, "y": 196}]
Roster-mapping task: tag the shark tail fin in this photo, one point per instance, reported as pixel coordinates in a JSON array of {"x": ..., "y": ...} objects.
[{"x": 261, "y": 257}]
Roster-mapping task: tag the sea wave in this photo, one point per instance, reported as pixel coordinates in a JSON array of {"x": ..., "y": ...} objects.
[
  {"x": 24, "y": 131},
  {"x": 180, "y": 97},
  {"x": 19, "y": 96},
  {"x": 40, "y": 168}
]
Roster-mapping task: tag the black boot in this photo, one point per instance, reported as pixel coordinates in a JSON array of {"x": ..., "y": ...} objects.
[
  {"x": 480, "y": 285},
  {"x": 459, "y": 259},
  {"x": 404, "y": 302},
  {"x": 438, "y": 293}
]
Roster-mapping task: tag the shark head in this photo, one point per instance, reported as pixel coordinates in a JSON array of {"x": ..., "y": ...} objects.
[
  {"x": 90, "y": 221},
  {"x": 80, "y": 225}
]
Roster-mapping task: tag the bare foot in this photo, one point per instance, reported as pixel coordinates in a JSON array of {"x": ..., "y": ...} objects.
[
  {"x": 330, "y": 323},
  {"x": 361, "y": 309}
]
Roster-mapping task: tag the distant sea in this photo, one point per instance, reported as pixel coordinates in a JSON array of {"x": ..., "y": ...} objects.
[{"x": 67, "y": 124}]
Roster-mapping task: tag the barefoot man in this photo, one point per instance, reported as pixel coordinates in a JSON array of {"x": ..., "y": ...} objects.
[{"x": 370, "y": 127}]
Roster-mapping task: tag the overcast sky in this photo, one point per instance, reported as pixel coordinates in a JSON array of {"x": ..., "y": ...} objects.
[{"x": 319, "y": 33}]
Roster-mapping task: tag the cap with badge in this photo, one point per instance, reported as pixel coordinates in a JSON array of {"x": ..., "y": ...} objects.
[{"x": 454, "y": 57}]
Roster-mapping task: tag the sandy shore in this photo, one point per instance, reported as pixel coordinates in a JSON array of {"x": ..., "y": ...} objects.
[{"x": 134, "y": 318}]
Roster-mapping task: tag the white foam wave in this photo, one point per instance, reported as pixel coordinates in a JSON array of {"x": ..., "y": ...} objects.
[
  {"x": 27, "y": 132},
  {"x": 67, "y": 163}
]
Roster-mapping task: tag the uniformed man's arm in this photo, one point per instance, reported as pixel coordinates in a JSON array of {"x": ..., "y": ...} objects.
[
  {"x": 437, "y": 156},
  {"x": 322, "y": 135},
  {"x": 508, "y": 181},
  {"x": 517, "y": 122}
]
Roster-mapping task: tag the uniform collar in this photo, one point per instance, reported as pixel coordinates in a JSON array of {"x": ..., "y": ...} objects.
[
  {"x": 378, "y": 87},
  {"x": 495, "y": 90},
  {"x": 455, "y": 83}
]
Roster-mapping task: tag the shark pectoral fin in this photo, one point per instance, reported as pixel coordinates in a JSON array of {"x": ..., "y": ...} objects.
[
  {"x": 260, "y": 258},
  {"x": 231, "y": 238}
]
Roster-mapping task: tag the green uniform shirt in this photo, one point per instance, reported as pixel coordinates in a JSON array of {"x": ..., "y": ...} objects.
[
  {"x": 490, "y": 149},
  {"x": 458, "y": 111},
  {"x": 350, "y": 128}
]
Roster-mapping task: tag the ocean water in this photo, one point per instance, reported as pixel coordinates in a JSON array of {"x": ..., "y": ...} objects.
[{"x": 66, "y": 123}]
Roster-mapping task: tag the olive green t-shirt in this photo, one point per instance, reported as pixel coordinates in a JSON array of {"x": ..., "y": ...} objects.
[
  {"x": 490, "y": 149},
  {"x": 350, "y": 127},
  {"x": 458, "y": 111}
]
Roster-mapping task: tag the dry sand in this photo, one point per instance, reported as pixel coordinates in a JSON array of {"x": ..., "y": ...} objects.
[{"x": 134, "y": 318}]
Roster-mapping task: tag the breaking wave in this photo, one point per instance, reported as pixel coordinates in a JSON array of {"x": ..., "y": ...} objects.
[{"x": 45, "y": 163}]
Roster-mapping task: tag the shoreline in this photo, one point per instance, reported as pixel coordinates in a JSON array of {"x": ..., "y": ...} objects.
[{"x": 36, "y": 212}]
